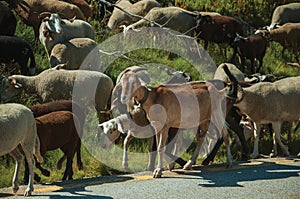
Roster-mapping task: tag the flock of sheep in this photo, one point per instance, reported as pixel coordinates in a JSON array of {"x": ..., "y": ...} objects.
[{"x": 74, "y": 56}]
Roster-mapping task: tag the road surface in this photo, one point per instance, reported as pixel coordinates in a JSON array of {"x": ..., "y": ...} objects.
[{"x": 260, "y": 178}]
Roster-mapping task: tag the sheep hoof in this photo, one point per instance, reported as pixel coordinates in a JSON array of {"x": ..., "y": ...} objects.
[
  {"x": 27, "y": 193},
  {"x": 157, "y": 173}
]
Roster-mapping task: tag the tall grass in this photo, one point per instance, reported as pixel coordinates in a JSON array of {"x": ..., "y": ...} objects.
[{"x": 256, "y": 12}]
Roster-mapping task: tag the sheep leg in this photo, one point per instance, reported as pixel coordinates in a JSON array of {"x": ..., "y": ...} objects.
[
  {"x": 28, "y": 151},
  {"x": 255, "y": 153},
  {"x": 200, "y": 135},
  {"x": 18, "y": 157},
  {"x": 276, "y": 139},
  {"x": 252, "y": 69},
  {"x": 69, "y": 170},
  {"x": 45, "y": 172},
  {"x": 125, "y": 152}
]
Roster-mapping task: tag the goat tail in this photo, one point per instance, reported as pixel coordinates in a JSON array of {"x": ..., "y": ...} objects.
[{"x": 37, "y": 152}]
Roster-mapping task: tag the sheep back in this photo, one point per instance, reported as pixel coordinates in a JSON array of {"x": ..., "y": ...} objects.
[
  {"x": 78, "y": 53},
  {"x": 286, "y": 13}
]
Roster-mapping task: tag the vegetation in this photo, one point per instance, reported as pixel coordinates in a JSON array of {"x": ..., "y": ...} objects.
[{"x": 256, "y": 12}]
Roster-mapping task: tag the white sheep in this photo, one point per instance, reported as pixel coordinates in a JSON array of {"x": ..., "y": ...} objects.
[
  {"x": 271, "y": 103},
  {"x": 78, "y": 53},
  {"x": 17, "y": 127},
  {"x": 85, "y": 87},
  {"x": 55, "y": 30},
  {"x": 140, "y": 8}
]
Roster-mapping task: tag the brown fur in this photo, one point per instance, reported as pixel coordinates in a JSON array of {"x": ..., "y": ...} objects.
[{"x": 29, "y": 11}]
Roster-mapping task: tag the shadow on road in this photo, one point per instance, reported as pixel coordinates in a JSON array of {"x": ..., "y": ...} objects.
[{"x": 232, "y": 177}]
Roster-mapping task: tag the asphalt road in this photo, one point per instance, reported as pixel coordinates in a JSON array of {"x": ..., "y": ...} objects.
[{"x": 261, "y": 178}]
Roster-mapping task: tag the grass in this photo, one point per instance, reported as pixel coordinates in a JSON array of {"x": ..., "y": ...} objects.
[{"x": 256, "y": 12}]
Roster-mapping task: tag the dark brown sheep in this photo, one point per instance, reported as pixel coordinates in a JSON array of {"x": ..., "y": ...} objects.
[
  {"x": 252, "y": 47},
  {"x": 58, "y": 130},
  {"x": 60, "y": 105},
  {"x": 218, "y": 29}
]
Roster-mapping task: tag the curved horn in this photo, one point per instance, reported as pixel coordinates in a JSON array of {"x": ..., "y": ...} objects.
[{"x": 43, "y": 15}]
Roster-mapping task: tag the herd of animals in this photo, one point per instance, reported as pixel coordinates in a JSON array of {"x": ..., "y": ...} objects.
[{"x": 63, "y": 29}]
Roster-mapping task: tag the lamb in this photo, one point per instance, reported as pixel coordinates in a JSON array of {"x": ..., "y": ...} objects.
[
  {"x": 77, "y": 53},
  {"x": 60, "y": 105},
  {"x": 271, "y": 103},
  {"x": 8, "y": 21},
  {"x": 13, "y": 49},
  {"x": 252, "y": 47},
  {"x": 140, "y": 8},
  {"x": 17, "y": 127},
  {"x": 29, "y": 11},
  {"x": 166, "y": 111},
  {"x": 55, "y": 30},
  {"x": 54, "y": 84},
  {"x": 288, "y": 13},
  {"x": 58, "y": 130}
]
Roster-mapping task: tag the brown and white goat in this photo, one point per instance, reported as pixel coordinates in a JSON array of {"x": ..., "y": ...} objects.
[{"x": 175, "y": 106}]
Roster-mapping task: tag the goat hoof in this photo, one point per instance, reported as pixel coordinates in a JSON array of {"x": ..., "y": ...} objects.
[
  {"x": 188, "y": 165},
  {"x": 157, "y": 173},
  {"x": 273, "y": 155}
]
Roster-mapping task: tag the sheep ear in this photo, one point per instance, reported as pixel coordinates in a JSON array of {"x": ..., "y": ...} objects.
[{"x": 62, "y": 22}]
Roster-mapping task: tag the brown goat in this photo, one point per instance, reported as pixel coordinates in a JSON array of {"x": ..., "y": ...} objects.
[
  {"x": 252, "y": 47},
  {"x": 58, "y": 130},
  {"x": 8, "y": 22},
  {"x": 29, "y": 11},
  {"x": 175, "y": 106}
]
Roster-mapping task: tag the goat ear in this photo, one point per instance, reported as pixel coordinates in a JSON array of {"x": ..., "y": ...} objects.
[{"x": 63, "y": 22}]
